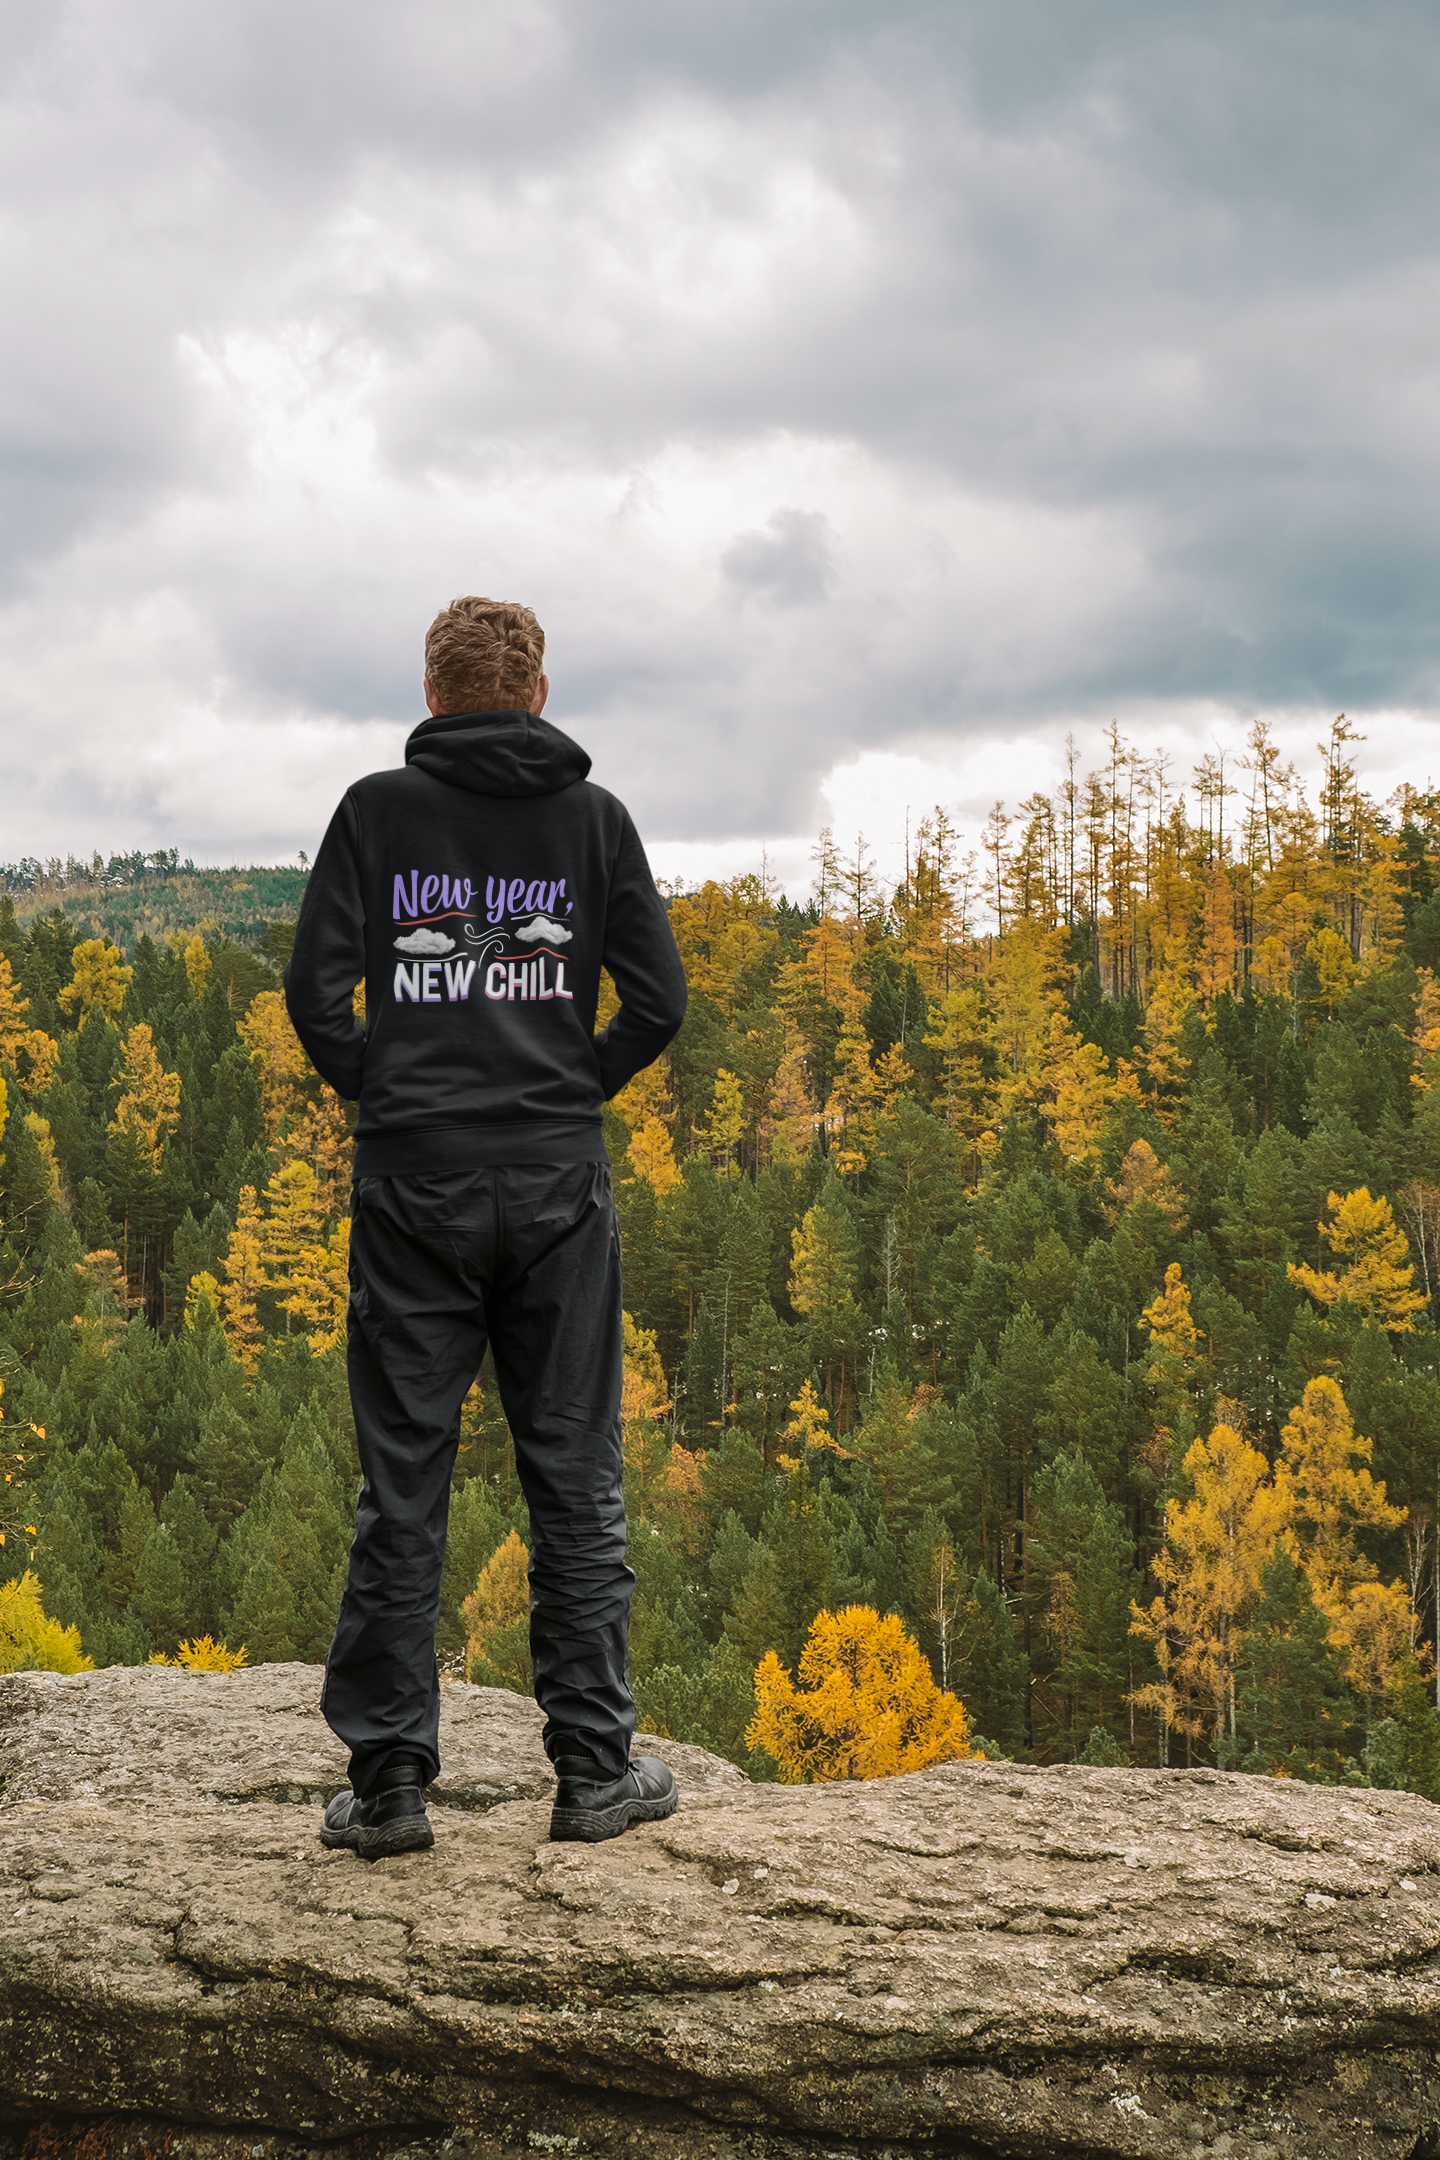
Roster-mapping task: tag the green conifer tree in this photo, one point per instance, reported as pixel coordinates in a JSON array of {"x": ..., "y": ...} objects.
[
  {"x": 1292, "y": 1711},
  {"x": 477, "y": 1527},
  {"x": 993, "y": 1676}
]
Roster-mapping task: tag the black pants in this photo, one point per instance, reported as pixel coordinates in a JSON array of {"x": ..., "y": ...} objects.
[{"x": 527, "y": 1256}]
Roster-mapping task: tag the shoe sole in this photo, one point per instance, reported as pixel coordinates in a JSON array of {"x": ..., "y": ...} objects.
[
  {"x": 410, "y": 1833},
  {"x": 591, "y": 1826}
]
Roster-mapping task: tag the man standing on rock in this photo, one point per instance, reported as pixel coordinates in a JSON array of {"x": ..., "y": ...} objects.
[{"x": 478, "y": 891}]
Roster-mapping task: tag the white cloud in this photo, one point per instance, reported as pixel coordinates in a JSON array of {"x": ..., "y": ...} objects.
[
  {"x": 550, "y": 933},
  {"x": 425, "y": 941},
  {"x": 863, "y": 397}
]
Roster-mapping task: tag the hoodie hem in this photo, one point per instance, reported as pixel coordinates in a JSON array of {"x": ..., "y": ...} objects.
[{"x": 479, "y": 1147}]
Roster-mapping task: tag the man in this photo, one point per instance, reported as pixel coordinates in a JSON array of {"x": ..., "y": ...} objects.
[{"x": 478, "y": 892}]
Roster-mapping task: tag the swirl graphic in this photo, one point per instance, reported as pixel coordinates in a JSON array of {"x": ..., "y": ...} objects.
[{"x": 482, "y": 943}]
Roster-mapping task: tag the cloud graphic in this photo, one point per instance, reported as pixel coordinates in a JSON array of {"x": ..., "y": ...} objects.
[
  {"x": 425, "y": 941},
  {"x": 553, "y": 933}
]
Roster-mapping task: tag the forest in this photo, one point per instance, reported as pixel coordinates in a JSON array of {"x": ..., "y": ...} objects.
[{"x": 1042, "y": 1252}]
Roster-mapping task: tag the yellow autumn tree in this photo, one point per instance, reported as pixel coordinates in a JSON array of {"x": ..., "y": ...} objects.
[
  {"x": 1376, "y": 1277},
  {"x": 39, "y": 1131},
  {"x": 319, "y": 1291},
  {"x": 29, "y": 1051},
  {"x": 1270, "y": 967},
  {"x": 267, "y": 1033},
  {"x": 724, "y": 939},
  {"x": 149, "y": 1107},
  {"x": 830, "y": 950},
  {"x": 957, "y": 1028},
  {"x": 197, "y": 964},
  {"x": 309, "y": 1272},
  {"x": 1023, "y": 978},
  {"x": 867, "y": 1705},
  {"x": 202, "y": 1297},
  {"x": 1215, "y": 962},
  {"x": 1427, "y": 1031},
  {"x": 681, "y": 1496},
  {"x": 929, "y": 907},
  {"x": 1173, "y": 1370},
  {"x": 493, "y": 1613},
  {"x": 1163, "y": 1059},
  {"x": 1382, "y": 916},
  {"x": 809, "y": 1424},
  {"x": 643, "y": 1403},
  {"x": 98, "y": 979},
  {"x": 244, "y": 1280},
  {"x": 645, "y": 1104},
  {"x": 724, "y": 1128},
  {"x": 321, "y": 1136},
  {"x": 823, "y": 1283},
  {"x": 1209, "y": 1569},
  {"x": 1334, "y": 965},
  {"x": 864, "y": 1091},
  {"x": 205, "y": 1654},
  {"x": 787, "y": 1125},
  {"x": 30, "y": 1641},
  {"x": 1144, "y": 1177},
  {"x": 1333, "y": 1495},
  {"x": 1078, "y": 1082},
  {"x": 652, "y": 1156},
  {"x": 822, "y": 1275},
  {"x": 1378, "y": 1628}
]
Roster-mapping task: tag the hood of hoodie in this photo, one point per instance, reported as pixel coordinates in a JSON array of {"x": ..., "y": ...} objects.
[{"x": 497, "y": 753}]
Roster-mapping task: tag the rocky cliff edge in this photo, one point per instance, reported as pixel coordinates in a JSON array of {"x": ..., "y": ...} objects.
[{"x": 983, "y": 1959}]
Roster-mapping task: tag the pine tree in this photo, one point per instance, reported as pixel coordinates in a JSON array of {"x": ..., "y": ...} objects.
[
  {"x": 804, "y": 1578},
  {"x": 476, "y": 1529},
  {"x": 823, "y": 1284},
  {"x": 1292, "y": 1710},
  {"x": 1085, "y": 1581},
  {"x": 1418, "y": 1724},
  {"x": 992, "y": 1671},
  {"x": 265, "y": 1615},
  {"x": 161, "y": 1597}
]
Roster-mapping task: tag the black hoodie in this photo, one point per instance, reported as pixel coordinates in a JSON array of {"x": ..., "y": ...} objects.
[{"x": 478, "y": 893}]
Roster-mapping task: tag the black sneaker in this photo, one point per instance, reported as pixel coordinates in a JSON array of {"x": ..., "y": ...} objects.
[
  {"x": 390, "y": 1819},
  {"x": 586, "y": 1810}
]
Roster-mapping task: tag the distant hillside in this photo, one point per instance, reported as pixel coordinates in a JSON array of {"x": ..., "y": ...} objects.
[{"x": 126, "y": 897}]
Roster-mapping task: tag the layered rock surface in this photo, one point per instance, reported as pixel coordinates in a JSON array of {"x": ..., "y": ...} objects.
[{"x": 984, "y": 1958}]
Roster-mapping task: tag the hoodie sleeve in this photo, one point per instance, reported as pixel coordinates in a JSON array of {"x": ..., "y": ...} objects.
[
  {"x": 329, "y": 957},
  {"x": 644, "y": 966}
]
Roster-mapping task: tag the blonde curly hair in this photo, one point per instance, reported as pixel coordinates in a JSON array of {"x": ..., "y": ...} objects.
[{"x": 484, "y": 656}]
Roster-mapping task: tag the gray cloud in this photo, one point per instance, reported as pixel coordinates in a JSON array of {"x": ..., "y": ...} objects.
[
  {"x": 1095, "y": 345},
  {"x": 791, "y": 564}
]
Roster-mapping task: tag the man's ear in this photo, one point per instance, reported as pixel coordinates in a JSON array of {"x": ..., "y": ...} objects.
[
  {"x": 542, "y": 691},
  {"x": 436, "y": 708}
]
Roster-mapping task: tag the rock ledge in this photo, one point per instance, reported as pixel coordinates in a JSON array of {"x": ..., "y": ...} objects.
[{"x": 985, "y": 1958}]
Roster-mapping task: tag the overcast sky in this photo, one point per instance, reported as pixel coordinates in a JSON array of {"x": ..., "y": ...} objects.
[{"x": 864, "y": 396}]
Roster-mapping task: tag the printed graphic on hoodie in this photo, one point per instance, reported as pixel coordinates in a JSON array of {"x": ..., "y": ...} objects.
[{"x": 518, "y": 913}]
